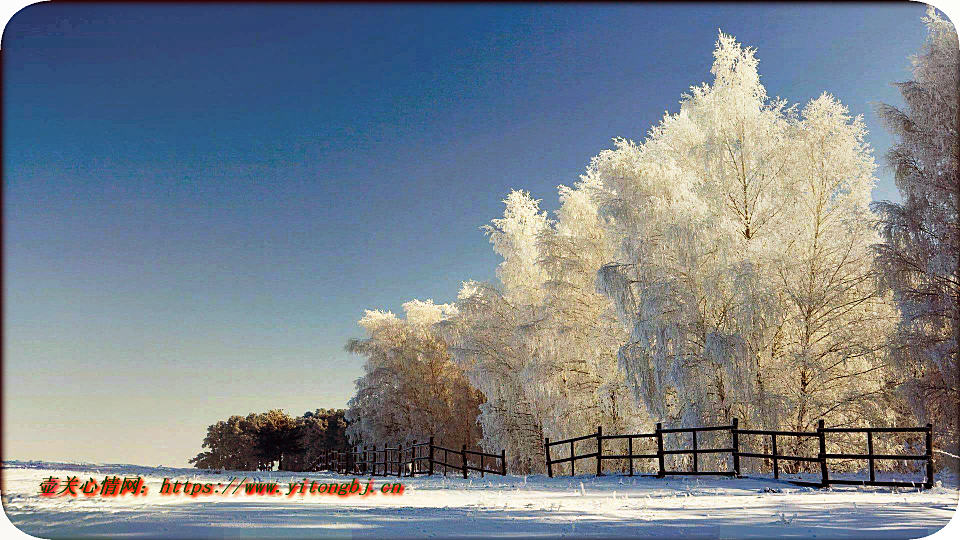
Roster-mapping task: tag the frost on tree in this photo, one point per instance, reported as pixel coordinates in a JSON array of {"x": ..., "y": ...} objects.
[
  {"x": 743, "y": 269},
  {"x": 541, "y": 345},
  {"x": 580, "y": 336},
  {"x": 410, "y": 389},
  {"x": 490, "y": 336},
  {"x": 921, "y": 248},
  {"x": 722, "y": 268}
]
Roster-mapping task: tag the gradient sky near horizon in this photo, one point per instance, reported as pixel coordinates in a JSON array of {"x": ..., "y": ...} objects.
[{"x": 199, "y": 201}]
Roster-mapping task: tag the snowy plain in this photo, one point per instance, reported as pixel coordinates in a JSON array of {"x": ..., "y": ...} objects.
[{"x": 443, "y": 507}]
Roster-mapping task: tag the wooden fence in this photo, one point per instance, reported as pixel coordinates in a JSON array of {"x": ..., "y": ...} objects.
[
  {"x": 736, "y": 454},
  {"x": 418, "y": 458}
]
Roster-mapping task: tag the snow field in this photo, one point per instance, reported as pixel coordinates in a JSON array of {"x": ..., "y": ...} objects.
[{"x": 453, "y": 507}]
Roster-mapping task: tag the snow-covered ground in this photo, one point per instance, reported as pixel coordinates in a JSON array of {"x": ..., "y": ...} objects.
[{"x": 494, "y": 506}]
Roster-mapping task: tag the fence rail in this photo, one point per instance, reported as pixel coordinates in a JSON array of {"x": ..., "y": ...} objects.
[
  {"x": 736, "y": 453},
  {"x": 417, "y": 458}
]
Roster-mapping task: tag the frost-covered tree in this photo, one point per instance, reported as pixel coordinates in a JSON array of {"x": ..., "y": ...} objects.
[
  {"x": 838, "y": 323},
  {"x": 577, "y": 371},
  {"x": 491, "y": 335},
  {"x": 743, "y": 269},
  {"x": 921, "y": 248},
  {"x": 542, "y": 344},
  {"x": 487, "y": 338},
  {"x": 698, "y": 208},
  {"x": 410, "y": 389}
]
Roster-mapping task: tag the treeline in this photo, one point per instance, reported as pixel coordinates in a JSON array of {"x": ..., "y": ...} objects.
[
  {"x": 274, "y": 439},
  {"x": 730, "y": 265}
]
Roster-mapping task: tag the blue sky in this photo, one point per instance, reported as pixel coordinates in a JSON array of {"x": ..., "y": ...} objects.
[{"x": 201, "y": 200}]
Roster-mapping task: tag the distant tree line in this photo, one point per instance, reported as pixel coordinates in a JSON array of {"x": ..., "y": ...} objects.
[{"x": 260, "y": 442}]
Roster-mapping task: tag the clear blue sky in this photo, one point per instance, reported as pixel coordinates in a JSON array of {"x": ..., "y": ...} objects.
[{"x": 201, "y": 200}]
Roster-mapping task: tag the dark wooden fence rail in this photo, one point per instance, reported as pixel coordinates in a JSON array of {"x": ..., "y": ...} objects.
[
  {"x": 871, "y": 458},
  {"x": 694, "y": 451},
  {"x": 446, "y": 463},
  {"x": 418, "y": 458},
  {"x": 573, "y": 455},
  {"x": 736, "y": 454},
  {"x": 482, "y": 469},
  {"x": 776, "y": 457},
  {"x": 630, "y": 456}
]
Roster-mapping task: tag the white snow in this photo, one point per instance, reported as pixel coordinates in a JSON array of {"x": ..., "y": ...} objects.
[{"x": 492, "y": 506}]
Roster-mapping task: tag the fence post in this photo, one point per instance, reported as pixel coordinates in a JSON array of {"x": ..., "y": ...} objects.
[
  {"x": 660, "y": 474},
  {"x": 599, "y": 450},
  {"x": 824, "y": 475},
  {"x": 695, "y": 466},
  {"x": 546, "y": 446},
  {"x": 870, "y": 453},
  {"x": 734, "y": 433},
  {"x": 929, "y": 454},
  {"x": 430, "y": 457},
  {"x": 573, "y": 460},
  {"x": 630, "y": 453},
  {"x": 503, "y": 462},
  {"x": 399, "y": 459},
  {"x": 776, "y": 465},
  {"x": 374, "y": 463},
  {"x": 463, "y": 456}
]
